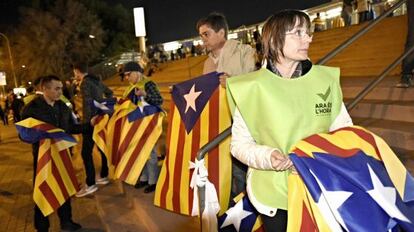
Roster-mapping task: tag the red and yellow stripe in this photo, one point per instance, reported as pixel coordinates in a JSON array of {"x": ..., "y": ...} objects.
[
  {"x": 55, "y": 177},
  {"x": 138, "y": 138},
  {"x": 173, "y": 188}
]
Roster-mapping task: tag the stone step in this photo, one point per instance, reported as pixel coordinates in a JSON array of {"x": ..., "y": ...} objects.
[
  {"x": 362, "y": 81},
  {"x": 380, "y": 93},
  {"x": 385, "y": 109},
  {"x": 156, "y": 219},
  {"x": 397, "y": 134}
]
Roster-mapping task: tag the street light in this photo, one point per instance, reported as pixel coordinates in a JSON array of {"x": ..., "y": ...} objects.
[{"x": 11, "y": 59}]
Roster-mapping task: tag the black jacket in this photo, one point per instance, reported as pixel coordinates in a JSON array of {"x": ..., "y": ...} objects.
[
  {"x": 92, "y": 88},
  {"x": 58, "y": 115}
]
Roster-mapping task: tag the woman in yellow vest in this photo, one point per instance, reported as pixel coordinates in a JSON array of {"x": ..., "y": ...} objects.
[{"x": 285, "y": 101}]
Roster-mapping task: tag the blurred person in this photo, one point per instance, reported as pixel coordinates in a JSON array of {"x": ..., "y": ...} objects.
[
  {"x": 296, "y": 98},
  {"x": 17, "y": 106},
  {"x": 141, "y": 87},
  {"x": 346, "y": 13},
  {"x": 2, "y": 116},
  {"x": 407, "y": 79},
  {"x": 363, "y": 9},
  {"x": 231, "y": 58},
  {"x": 3, "y": 106},
  {"x": 37, "y": 91},
  {"x": 48, "y": 107},
  {"x": 91, "y": 89},
  {"x": 318, "y": 23}
]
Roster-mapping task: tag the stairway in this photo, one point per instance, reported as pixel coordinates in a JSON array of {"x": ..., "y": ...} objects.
[{"x": 387, "y": 111}]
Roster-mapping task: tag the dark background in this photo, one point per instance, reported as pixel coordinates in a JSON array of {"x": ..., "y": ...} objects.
[{"x": 168, "y": 20}]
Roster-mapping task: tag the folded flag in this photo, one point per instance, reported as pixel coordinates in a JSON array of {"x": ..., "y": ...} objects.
[
  {"x": 104, "y": 110},
  {"x": 354, "y": 182},
  {"x": 55, "y": 179}
]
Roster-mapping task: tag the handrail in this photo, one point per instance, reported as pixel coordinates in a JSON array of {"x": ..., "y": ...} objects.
[
  {"x": 377, "y": 80},
  {"x": 360, "y": 33},
  {"x": 227, "y": 132}
]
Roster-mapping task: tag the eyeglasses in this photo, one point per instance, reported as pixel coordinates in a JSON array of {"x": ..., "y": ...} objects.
[{"x": 301, "y": 33}]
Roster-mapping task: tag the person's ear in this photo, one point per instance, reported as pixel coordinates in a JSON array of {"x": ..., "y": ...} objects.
[{"x": 222, "y": 33}]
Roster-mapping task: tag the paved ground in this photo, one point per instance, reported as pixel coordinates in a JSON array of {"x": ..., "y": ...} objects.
[{"x": 115, "y": 207}]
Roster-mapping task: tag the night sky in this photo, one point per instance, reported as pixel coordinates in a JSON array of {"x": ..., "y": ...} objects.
[{"x": 169, "y": 20}]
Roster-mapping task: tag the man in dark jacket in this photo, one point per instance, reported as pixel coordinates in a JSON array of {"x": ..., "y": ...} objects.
[
  {"x": 91, "y": 89},
  {"x": 49, "y": 109}
]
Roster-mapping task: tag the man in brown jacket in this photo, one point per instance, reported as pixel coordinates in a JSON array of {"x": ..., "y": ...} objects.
[
  {"x": 232, "y": 58},
  {"x": 228, "y": 56}
]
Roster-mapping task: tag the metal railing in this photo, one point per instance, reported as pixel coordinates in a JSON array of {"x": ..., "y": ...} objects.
[
  {"x": 227, "y": 132},
  {"x": 377, "y": 80}
]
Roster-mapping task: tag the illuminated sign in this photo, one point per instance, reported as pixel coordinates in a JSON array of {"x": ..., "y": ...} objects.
[{"x": 139, "y": 21}]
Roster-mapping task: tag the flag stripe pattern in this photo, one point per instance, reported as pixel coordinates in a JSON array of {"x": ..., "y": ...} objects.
[
  {"x": 146, "y": 132},
  {"x": 130, "y": 140},
  {"x": 55, "y": 178},
  {"x": 341, "y": 171},
  {"x": 173, "y": 190}
]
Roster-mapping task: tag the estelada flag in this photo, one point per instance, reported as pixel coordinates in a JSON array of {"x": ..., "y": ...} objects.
[
  {"x": 55, "y": 179},
  {"x": 199, "y": 112},
  {"x": 130, "y": 135},
  {"x": 139, "y": 133},
  {"x": 350, "y": 180},
  {"x": 104, "y": 110}
]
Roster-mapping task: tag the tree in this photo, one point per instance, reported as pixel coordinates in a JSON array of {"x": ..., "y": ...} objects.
[
  {"x": 118, "y": 22},
  {"x": 48, "y": 41}
]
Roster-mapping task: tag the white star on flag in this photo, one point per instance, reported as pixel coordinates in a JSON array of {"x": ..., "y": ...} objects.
[
  {"x": 329, "y": 203},
  {"x": 385, "y": 197},
  {"x": 235, "y": 215},
  {"x": 190, "y": 98},
  {"x": 141, "y": 104},
  {"x": 101, "y": 106}
]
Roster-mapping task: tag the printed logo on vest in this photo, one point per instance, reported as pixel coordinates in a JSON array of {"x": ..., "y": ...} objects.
[{"x": 323, "y": 108}]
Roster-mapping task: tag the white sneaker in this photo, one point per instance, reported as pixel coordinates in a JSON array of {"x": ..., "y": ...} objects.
[
  {"x": 102, "y": 181},
  {"x": 86, "y": 190}
]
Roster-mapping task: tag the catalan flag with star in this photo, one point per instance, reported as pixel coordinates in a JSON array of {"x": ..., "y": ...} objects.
[
  {"x": 199, "y": 112},
  {"x": 349, "y": 180},
  {"x": 132, "y": 132},
  {"x": 55, "y": 179}
]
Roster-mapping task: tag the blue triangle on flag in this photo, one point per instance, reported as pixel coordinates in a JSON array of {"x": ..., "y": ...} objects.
[
  {"x": 205, "y": 86},
  {"x": 409, "y": 188},
  {"x": 139, "y": 113}
]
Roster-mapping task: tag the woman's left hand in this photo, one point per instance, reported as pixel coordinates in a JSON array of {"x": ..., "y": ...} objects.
[{"x": 280, "y": 162}]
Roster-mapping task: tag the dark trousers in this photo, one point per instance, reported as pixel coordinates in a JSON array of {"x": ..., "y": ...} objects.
[
  {"x": 408, "y": 61},
  {"x": 42, "y": 222},
  {"x": 278, "y": 223},
  {"x": 64, "y": 212},
  {"x": 87, "y": 147},
  {"x": 363, "y": 16},
  {"x": 238, "y": 171}
]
